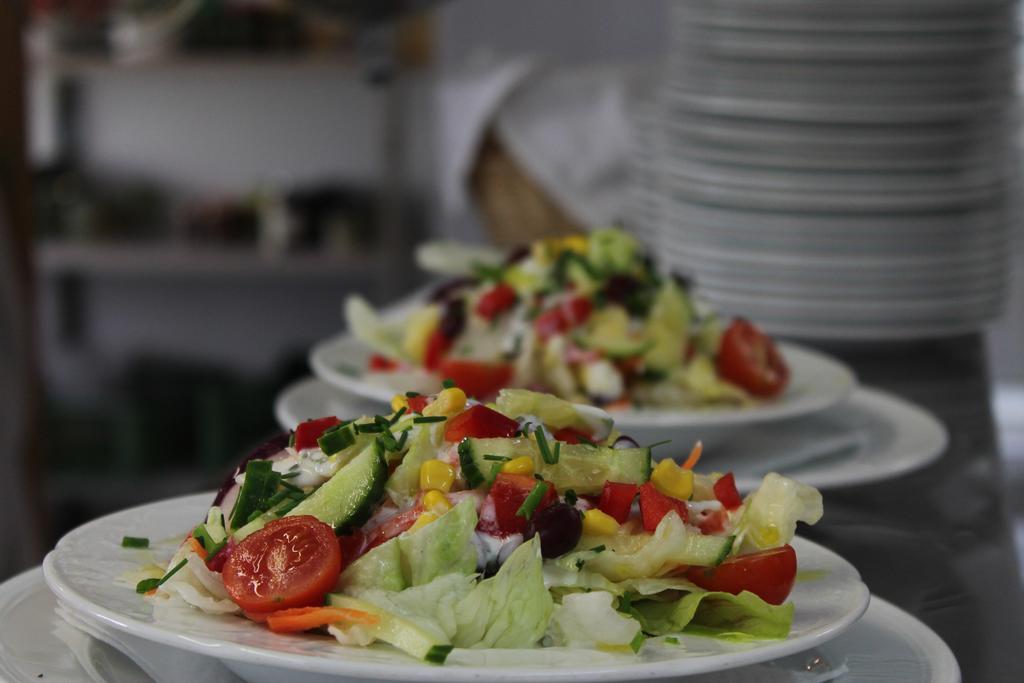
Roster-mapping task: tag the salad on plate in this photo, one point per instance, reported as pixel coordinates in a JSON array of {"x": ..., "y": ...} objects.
[
  {"x": 451, "y": 523},
  {"x": 586, "y": 317}
]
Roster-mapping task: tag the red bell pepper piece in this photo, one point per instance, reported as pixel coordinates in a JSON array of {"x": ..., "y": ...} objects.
[
  {"x": 498, "y": 513},
  {"x": 418, "y": 403},
  {"x": 495, "y": 301},
  {"x": 392, "y": 527},
  {"x": 379, "y": 363},
  {"x": 654, "y": 505},
  {"x": 481, "y": 380},
  {"x": 565, "y": 316},
  {"x": 438, "y": 346},
  {"x": 617, "y": 500},
  {"x": 571, "y": 435},
  {"x": 726, "y": 493},
  {"x": 309, "y": 431},
  {"x": 480, "y": 422}
]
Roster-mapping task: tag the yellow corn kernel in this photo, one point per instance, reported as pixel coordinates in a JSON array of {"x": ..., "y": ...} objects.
[
  {"x": 423, "y": 520},
  {"x": 448, "y": 402},
  {"x": 521, "y": 465},
  {"x": 597, "y": 523},
  {"x": 577, "y": 243},
  {"x": 436, "y": 502},
  {"x": 672, "y": 480},
  {"x": 398, "y": 402},
  {"x": 436, "y": 475}
]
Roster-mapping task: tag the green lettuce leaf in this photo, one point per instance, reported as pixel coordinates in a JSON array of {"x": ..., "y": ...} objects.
[
  {"x": 380, "y": 567},
  {"x": 404, "y": 483},
  {"x": 432, "y": 606},
  {"x": 590, "y": 620},
  {"x": 740, "y": 617},
  {"x": 441, "y": 547},
  {"x": 771, "y": 513},
  {"x": 509, "y": 610}
]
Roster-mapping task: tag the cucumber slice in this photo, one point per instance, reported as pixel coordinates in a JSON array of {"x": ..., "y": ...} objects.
[
  {"x": 580, "y": 467},
  {"x": 555, "y": 412},
  {"x": 347, "y": 499},
  {"x": 614, "y": 348},
  {"x": 398, "y": 631}
]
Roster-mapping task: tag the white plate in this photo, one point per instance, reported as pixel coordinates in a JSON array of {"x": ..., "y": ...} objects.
[
  {"x": 886, "y": 643},
  {"x": 82, "y": 569},
  {"x": 816, "y": 382},
  {"x": 871, "y": 437}
]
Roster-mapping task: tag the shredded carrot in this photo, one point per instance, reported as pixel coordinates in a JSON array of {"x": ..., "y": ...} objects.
[
  {"x": 694, "y": 456},
  {"x": 306, "y": 618},
  {"x": 197, "y": 547}
]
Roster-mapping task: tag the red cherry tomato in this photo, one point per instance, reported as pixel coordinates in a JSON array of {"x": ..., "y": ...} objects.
[
  {"x": 726, "y": 493},
  {"x": 480, "y": 422},
  {"x": 438, "y": 346},
  {"x": 748, "y": 357},
  {"x": 617, "y": 500},
  {"x": 565, "y": 316},
  {"x": 769, "y": 575},
  {"x": 309, "y": 431},
  {"x": 571, "y": 435},
  {"x": 379, "y": 363},
  {"x": 711, "y": 522},
  {"x": 291, "y": 562},
  {"x": 496, "y": 301},
  {"x": 498, "y": 512},
  {"x": 481, "y": 380},
  {"x": 654, "y": 505},
  {"x": 352, "y": 546}
]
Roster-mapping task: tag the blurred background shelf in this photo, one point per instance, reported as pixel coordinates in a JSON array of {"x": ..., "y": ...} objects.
[{"x": 182, "y": 261}]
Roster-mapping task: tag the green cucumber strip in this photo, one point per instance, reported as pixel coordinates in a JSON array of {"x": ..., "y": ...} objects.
[
  {"x": 134, "y": 542},
  {"x": 467, "y": 461},
  {"x": 260, "y": 484},
  {"x": 347, "y": 499}
]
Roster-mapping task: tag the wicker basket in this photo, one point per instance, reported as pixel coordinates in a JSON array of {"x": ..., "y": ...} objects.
[{"x": 515, "y": 208}]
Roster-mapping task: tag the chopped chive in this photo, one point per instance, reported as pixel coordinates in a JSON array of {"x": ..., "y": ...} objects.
[
  {"x": 134, "y": 542},
  {"x": 147, "y": 585},
  {"x": 346, "y": 369},
  {"x": 426, "y": 419},
  {"x": 296, "y": 495},
  {"x": 585, "y": 441},
  {"x": 256, "y": 514},
  {"x": 259, "y": 485},
  {"x": 291, "y": 439},
  {"x": 659, "y": 443},
  {"x": 398, "y": 414},
  {"x": 402, "y": 440},
  {"x": 277, "y": 498},
  {"x": 412, "y": 394},
  {"x": 495, "y": 471},
  {"x": 291, "y": 475},
  {"x": 637, "y": 642},
  {"x": 336, "y": 440},
  {"x": 437, "y": 654},
  {"x": 448, "y": 383},
  {"x": 203, "y": 536},
  {"x": 497, "y": 458},
  {"x": 288, "y": 507},
  {"x": 532, "y": 500},
  {"x": 368, "y": 428},
  {"x": 538, "y": 476},
  {"x": 291, "y": 487},
  {"x": 549, "y": 456},
  {"x": 598, "y": 549},
  {"x": 571, "y": 497},
  {"x": 671, "y": 640}
]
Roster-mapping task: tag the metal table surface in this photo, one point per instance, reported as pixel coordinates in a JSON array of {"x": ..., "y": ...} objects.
[{"x": 938, "y": 542}]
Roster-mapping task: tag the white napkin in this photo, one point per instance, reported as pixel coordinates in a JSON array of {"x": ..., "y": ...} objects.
[{"x": 161, "y": 663}]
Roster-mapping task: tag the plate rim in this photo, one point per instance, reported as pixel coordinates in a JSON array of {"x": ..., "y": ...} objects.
[
  {"x": 847, "y": 382},
  {"x": 411, "y": 670}
]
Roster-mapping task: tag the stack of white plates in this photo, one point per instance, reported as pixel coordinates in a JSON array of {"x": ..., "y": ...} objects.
[{"x": 838, "y": 169}]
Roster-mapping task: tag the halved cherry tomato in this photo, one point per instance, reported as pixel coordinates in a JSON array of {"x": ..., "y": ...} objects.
[
  {"x": 748, "y": 357},
  {"x": 216, "y": 563},
  {"x": 352, "y": 546},
  {"x": 571, "y": 435},
  {"x": 617, "y": 500},
  {"x": 438, "y": 346},
  {"x": 565, "y": 316},
  {"x": 480, "y": 422},
  {"x": 418, "y": 403},
  {"x": 291, "y": 562},
  {"x": 726, "y": 493},
  {"x": 379, "y": 363},
  {"x": 498, "y": 512},
  {"x": 769, "y": 574},
  {"x": 309, "y": 431},
  {"x": 496, "y": 300},
  {"x": 654, "y": 505},
  {"x": 481, "y": 380}
]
